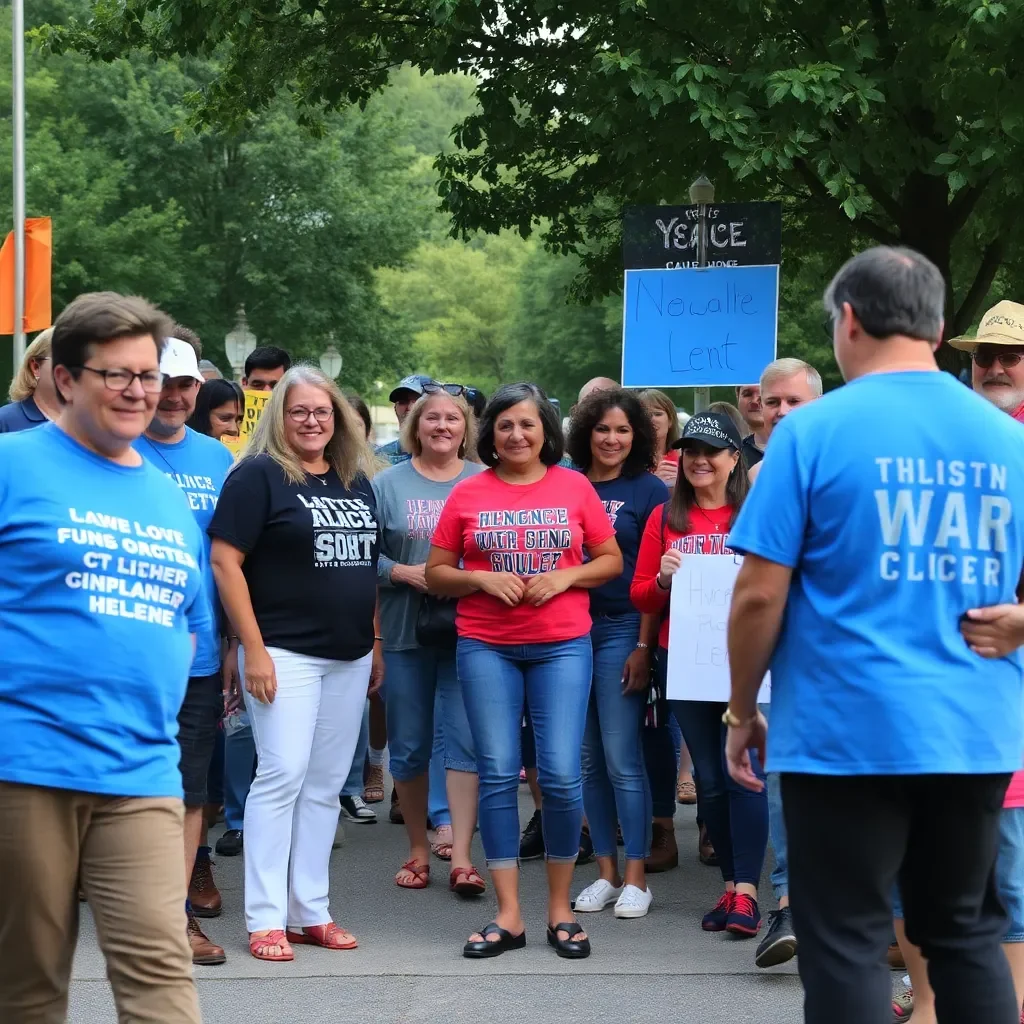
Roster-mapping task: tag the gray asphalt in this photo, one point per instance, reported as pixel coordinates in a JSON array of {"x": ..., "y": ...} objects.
[{"x": 408, "y": 967}]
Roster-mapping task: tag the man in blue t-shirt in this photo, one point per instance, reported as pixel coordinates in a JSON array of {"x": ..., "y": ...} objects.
[
  {"x": 875, "y": 526},
  {"x": 198, "y": 465}
]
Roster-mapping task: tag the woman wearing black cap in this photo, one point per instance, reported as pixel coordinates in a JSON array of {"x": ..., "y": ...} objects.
[{"x": 704, "y": 504}]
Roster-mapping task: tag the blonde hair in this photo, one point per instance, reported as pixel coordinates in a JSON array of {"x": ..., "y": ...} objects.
[
  {"x": 24, "y": 383},
  {"x": 409, "y": 437},
  {"x": 655, "y": 399},
  {"x": 782, "y": 369},
  {"x": 347, "y": 452},
  {"x": 733, "y": 413}
]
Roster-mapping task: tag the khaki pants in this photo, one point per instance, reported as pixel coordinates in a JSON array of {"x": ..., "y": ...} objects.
[{"x": 126, "y": 854}]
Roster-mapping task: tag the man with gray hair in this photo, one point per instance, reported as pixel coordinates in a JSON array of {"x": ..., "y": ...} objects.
[{"x": 875, "y": 527}]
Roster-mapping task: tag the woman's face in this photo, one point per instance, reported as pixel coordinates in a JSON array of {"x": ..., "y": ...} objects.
[
  {"x": 308, "y": 420},
  {"x": 519, "y": 434},
  {"x": 661, "y": 423},
  {"x": 707, "y": 468},
  {"x": 611, "y": 440},
  {"x": 226, "y": 419},
  {"x": 441, "y": 428}
]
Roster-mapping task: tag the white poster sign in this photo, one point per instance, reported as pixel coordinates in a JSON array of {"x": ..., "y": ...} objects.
[{"x": 698, "y": 650}]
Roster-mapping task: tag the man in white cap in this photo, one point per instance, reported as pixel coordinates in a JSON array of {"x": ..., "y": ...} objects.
[
  {"x": 198, "y": 465},
  {"x": 997, "y": 357}
]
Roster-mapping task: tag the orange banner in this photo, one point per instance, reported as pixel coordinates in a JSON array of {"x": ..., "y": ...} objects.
[{"x": 38, "y": 259}]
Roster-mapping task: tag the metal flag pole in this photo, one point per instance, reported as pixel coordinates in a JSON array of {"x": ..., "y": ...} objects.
[
  {"x": 18, "y": 79},
  {"x": 702, "y": 192}
]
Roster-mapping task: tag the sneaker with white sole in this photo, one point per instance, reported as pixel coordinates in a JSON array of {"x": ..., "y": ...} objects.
[
  {"x": 596, "y": 896},
  {"x": 354, "y": 808},
  {"x": 634, "y": 902}
]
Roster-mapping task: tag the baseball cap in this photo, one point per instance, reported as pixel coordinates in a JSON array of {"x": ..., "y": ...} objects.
[
  {"x": 414, "y": 384},
  {"x": 1003, "y": 324},
  {"x": 179, "y": 360},
  {"x": 714, "y": 429}
]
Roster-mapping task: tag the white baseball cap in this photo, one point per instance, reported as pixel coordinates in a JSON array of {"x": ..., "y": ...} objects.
[{"x": 179, "y": 360}]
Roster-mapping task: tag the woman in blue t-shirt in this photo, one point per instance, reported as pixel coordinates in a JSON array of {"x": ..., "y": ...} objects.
[{"x": 612, "y": 440}]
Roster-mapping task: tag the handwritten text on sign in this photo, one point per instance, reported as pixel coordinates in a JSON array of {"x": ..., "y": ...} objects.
[
  {"x": 698, "y": 651},
  {"x": 699, "y": 327}
]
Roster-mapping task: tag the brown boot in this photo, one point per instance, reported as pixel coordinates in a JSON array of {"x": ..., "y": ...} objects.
[
  {"x": 664, "y": 852},
  {"x": 705, "y": 850},
  {"x": 895, "y": 958},
  {"x": 203, "y": 893},
  {"x": 204, "y": 952}
]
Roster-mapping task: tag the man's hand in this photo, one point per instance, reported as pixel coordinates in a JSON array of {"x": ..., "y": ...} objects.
[
  {"x": 994, "y": 632},
  {"x": 738, "y": 743},
  {"x": 411, "y": 575},
  {"x": 636, "y": 673},
  {"x": 231, "y": 685}
]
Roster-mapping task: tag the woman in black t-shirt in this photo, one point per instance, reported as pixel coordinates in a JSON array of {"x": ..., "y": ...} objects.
[{"x": 295, "y": 558}]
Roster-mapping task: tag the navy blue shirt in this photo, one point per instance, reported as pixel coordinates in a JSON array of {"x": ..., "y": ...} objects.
[
  {"x": 20, "y": 416},
  {"x": 628, "y": 502}
]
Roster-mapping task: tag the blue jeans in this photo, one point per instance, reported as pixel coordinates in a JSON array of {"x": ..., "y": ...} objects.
[
  {"x": 777, "y": 829},
  {"x": 416, "y": 681},
  {"x": 554, "y": 679},
  {"x": 354, "y": 783},
  {"x": 661, "y": 759},
  {"x": 239, "y": 766},
  {"x": 614, "y": 778},
  {"x": 437, "y": 785}
]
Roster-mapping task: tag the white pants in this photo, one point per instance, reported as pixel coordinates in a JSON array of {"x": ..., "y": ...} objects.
[{"x": 305, "y": 741}]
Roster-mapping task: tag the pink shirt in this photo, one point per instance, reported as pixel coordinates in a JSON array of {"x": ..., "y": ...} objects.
[{"x": 1015, "y": 793}]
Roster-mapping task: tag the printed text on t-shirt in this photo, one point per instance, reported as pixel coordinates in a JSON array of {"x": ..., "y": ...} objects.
[
  {"x": 524, "y": 541},
  {"x": 344, "y": 531}
]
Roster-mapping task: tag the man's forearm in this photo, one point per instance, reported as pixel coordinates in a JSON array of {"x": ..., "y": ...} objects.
[{"x": 754, "y": 624}]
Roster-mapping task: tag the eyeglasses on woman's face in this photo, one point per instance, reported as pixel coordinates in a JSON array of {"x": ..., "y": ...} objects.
[
  {"x": 118, "y": 379},
  {"x": 300, "y": 414}
]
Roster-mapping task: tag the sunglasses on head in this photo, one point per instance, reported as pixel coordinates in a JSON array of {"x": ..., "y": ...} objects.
[
  {"x": 448, "y": 389},
  {"x": 985, "y": 356}
]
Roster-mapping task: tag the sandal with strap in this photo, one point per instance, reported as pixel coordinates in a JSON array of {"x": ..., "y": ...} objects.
[
  {"x": 466, "y": 882},
  {"x": 570, "y": 947},
  {"x": 686, "y": 792},
  {"x": 482, "y": 948},
  {"x": 373, "y": 790},
  {"x": 420, "y": 873},
  {"x": 259, "y": 944},
  {"x": 328, "y": 936},
  {"x": 441, "y": 847}
]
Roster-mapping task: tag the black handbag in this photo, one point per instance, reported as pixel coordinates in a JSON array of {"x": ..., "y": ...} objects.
[{"x": 435, "y": 622}]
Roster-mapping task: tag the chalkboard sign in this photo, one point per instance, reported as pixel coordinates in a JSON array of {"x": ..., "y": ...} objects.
[{"x": 667, "y": 237}]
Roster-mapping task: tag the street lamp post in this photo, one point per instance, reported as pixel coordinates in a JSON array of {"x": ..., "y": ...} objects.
[
  {"x": 702, "y": 193},
  {"x": 18, "y": 150},
  {"x": 238, "y": 343},
  {"x": 330, "y": 360}
]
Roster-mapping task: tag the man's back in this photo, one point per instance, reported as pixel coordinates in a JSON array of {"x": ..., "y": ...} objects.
[{"x": 893, "y": 500}]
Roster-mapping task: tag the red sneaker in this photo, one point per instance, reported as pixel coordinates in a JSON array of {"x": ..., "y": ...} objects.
[
  {"x": 714, "y": 920},
  {"x": 744, "y": 918}
]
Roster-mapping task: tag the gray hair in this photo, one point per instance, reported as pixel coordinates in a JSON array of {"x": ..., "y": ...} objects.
[
  {"x": 783, "y": 369},
  {"x": 891, "y": 291}
]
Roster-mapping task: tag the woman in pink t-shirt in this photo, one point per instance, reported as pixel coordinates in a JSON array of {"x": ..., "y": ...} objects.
[{"x": 520, "y": 545}]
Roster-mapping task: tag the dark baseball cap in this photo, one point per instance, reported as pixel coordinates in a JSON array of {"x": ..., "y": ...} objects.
[
  {"x": 415, "y": 384},
  {"x": 714, "y": 429}
]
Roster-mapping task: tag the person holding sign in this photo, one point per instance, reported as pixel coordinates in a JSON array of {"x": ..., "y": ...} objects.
[
  {"x": 511, "y": 545},
  {"x": 708, "y": 495}
]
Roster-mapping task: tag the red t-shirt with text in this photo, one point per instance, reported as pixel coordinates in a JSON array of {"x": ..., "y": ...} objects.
[{"x": 525, "y": 529}]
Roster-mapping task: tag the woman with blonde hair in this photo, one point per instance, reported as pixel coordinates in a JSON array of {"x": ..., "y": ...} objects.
[
  {"x": 32, "y": 392},
  {"x": 295, "y": 558},
  {"x": 665, "y": 418}
]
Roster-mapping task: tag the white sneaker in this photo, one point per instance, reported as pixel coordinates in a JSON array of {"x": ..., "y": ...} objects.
[
  {"x": 596, "y": 896},
  {"x": 633, "y": 902}
]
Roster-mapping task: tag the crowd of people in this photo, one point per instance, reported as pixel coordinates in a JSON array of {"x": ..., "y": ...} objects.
[{"x": 484, "y": 602}]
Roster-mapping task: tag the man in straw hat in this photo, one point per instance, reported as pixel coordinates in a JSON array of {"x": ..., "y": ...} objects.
[{"x": 997, "y": 357}]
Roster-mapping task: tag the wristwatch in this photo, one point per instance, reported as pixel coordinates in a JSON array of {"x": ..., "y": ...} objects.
[
  {"x": 733, "y": 721},
  {"x": 641, "y": 646}
]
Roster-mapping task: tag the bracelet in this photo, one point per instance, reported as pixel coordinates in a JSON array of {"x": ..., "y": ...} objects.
[
  {"x": 230, "y": 638},
  {"x": 657, "y": 580},
  {"x": 733, "y": 721},
  {"x": 641, "y": 646},
  {"x": 378, "y": 639}
]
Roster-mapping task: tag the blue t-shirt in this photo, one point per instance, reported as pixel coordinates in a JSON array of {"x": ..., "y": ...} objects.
[
  {"x": 628, "y": 502},
  {"x": 897, "y": 502},
  {"x": 198, "y": 465},
  {"x": 100, "y": 585}
]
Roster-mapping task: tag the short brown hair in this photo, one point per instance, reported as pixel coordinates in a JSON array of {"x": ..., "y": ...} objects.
[{"x": 186, "y": 334}]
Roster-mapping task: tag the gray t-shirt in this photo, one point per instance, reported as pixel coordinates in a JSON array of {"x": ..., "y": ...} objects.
[{"x": 408, "y": 508}]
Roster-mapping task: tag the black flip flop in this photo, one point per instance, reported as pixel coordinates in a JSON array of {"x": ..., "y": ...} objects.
[
  {"x": 482, "y": 948},
  {"x": 570, "y": 948}
]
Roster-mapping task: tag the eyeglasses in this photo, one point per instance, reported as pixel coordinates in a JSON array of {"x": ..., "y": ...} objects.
[
  {"x": 299, "y": 414},
  {"x": 828, "y": 326},
  {"x": 458, "y": 390},
  {"x": 152, "y": 381},
  {"x": 985, "y": 356}
]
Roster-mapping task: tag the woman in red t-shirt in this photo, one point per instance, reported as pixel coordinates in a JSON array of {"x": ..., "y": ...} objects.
[
  {"x": 511, "y": 545},
  {"x": 707, "y": 497}
]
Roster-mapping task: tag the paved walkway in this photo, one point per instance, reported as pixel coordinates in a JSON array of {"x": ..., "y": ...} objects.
[{"x": 409, "y": 968}]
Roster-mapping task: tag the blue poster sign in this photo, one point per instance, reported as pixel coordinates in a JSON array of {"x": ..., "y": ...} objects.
[{"x": 699, "y": 327}]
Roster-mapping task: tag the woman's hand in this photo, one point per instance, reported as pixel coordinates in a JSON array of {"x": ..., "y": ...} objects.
[
  {"x": 376, "y": 670},
  {"x": 231, "y": 685},
  {"x": 540, "y": 589},
  {"x": 636, "y": 673},
  {"x": 505, "y": 586},
  {"x": 670, "y": 562},
  {"x": 260, "y": 675},
  {"x": 667, "y": 472},
  {"x": 411, "y": 575}
]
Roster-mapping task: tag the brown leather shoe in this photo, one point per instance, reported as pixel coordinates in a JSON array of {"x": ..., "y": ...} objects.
[
  {"x": 203, "y": 893},
  {"x": 204, "y": 952},
  {"x": 664, "y": 853},
  {"x": 895, "y": 958},
  {"x": 705, "y": 851}
]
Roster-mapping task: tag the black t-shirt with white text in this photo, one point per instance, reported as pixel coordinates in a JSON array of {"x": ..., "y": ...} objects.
[{"x": 310, "y": 556}]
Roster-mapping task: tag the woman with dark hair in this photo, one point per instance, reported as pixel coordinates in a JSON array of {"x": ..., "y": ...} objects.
[
  {"x": 220, "y": 406},
  {"x": 611, "y": 439},
  {"x": 511, "y": 545},
  {"x": 708, "y": 495}
]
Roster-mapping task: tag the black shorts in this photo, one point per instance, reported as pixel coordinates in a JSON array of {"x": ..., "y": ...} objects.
[{"x": 197, "y": 735}]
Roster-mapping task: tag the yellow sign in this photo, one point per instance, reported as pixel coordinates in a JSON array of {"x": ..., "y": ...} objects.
[
  {"x": 255, "y": 403},
  {"x": 233, "y": 444}
]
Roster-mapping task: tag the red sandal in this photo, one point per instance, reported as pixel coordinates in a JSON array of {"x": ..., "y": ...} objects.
[
  {"x": 467, "y": 882},
  {"x": 329, "y": 936},
  {"x": 420, "y": 873},
  {"x": 259, "y": 944}
]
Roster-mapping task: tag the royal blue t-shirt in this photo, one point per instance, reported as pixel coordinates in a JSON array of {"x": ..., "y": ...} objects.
[
  {"x": 198, "y": 465},
  {"x": 898, "y": 501},
  {"x": 628, "y": 502},
  {"x": 101, "y": 583}
]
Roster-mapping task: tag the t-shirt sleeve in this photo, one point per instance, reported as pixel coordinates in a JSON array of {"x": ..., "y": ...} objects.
[
  {"x": 243, "y": 507},
  {"x": 597, "y": 527},
  {"x": 773, "y": 520},
  {"x": 448, "y": 532}
]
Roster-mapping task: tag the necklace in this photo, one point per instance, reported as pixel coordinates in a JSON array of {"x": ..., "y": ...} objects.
[
  {"x": 320, "y": 478},
  {"x": 714, "y": 526},
  {"x": 159, "y": 454}
]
